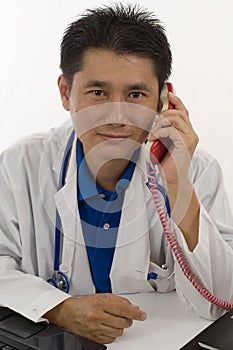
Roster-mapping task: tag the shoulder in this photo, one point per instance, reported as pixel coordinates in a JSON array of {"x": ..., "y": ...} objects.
[
  {"x": 202, "y": 164},
  {"x": 31, "y": 148}
]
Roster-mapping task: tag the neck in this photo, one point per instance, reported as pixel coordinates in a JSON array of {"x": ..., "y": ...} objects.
[{"x": 109, "y": 174}]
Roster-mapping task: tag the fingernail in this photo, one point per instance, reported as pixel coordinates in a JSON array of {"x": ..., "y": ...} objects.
[{"x": 143, "y": 316}]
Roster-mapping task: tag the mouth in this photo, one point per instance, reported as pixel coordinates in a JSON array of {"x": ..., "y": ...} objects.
[{"x": 114, "y": 137}]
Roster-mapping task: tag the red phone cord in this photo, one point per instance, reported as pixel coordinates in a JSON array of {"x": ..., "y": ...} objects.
[{"x": 177, "y": 250}]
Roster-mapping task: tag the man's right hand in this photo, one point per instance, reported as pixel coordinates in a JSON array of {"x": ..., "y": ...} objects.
[{"x": 100, "y": 317}]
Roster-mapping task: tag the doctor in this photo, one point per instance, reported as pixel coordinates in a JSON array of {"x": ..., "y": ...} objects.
[{"x": 109, "y": 239}]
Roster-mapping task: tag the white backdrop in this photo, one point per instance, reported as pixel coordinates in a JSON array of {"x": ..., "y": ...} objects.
[{"x": 200, "y": 34}]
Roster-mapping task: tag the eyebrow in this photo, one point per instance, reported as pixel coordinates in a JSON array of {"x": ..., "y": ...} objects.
[
  {"x": 100, "y": 83},
  {"x": 139, "y": 86}
]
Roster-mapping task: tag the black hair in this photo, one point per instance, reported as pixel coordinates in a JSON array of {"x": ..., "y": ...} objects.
[{"x": 124, "y": 29}]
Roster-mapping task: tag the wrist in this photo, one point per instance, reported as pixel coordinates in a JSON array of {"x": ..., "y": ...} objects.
[
  {"x": 59, "y": 313},
  {"x": 185, "y": 209},
  {"x": 180, "y": 197},
  {"x": 189, "y": 223}
]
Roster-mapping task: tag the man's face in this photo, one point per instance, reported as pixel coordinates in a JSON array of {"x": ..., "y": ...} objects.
[{"x": 108, "y": 78}]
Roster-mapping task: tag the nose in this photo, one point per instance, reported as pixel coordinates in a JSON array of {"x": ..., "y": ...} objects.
[
  {"x": 116, "y": 113},
  {"x": 116, "y": 97}
]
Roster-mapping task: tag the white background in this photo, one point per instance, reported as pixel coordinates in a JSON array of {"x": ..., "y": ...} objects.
[{"x": 200, "y": 34}]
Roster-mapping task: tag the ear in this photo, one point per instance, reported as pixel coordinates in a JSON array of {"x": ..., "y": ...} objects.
[
  {"x": 160, "y": 105},
  {"x": 64, "y": 91}
]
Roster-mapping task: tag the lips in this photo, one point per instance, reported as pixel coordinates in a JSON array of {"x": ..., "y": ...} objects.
[{"x": 114, "y": 136}]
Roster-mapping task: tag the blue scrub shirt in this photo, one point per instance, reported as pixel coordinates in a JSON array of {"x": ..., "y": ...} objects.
[{"x": 100, "y": 213}]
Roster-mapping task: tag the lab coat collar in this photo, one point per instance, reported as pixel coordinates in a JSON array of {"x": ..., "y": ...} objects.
[
  {"x": 143, "y": 162},
  {"x": 62, "y": 135}
]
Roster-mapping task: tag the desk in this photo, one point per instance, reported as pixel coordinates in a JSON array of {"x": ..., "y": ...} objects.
[{"x": 169, "y": 324}]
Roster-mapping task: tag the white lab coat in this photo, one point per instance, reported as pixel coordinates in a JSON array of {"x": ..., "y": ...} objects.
[{"x": 29, "y": 173}]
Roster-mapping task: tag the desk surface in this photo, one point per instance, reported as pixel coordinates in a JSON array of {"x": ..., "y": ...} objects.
[{"x": 168, "y": 327}]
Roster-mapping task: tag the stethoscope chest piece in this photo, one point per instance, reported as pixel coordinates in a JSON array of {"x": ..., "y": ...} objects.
[{"x": 60, "y": 281}]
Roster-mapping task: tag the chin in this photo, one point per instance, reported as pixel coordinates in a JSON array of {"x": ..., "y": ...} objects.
[{"x": 117, "y": 152}]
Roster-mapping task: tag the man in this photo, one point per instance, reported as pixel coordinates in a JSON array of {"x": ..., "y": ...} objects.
[{"x": 114, "y": 62}]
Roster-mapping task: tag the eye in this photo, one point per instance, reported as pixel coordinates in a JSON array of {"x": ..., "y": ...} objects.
[
  {"x": 136, "y": 94},
  {"x": 97, "y": 92}
]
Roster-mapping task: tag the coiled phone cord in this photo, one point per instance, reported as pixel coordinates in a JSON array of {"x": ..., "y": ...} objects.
[{"x": 177, "y": 250}]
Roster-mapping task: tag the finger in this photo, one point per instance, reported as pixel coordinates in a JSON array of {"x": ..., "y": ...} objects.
[
  {"x": 127, "y": 311},
  {"x": 163, "y": 122},
  {"x": 169, "y": 117},
  {"x": 117, "y": 321},
  {"x": 160, "y": 122},
  {"x": 113, "y": 332},
  {"x": 169, "y": 133},
  {"x": 173, "y": 114},
  {"x": 171, "y": 124},
  {"x": 98, "y": 336},
  {"x": 178, "y": 110},
  {"x": 103, "y": 339},
  {"x": 106, "y": 334},
  {"x": 176, "y": 101},
  {"x": 121, "y": 299},
  {"x": 118, "y": 306}
]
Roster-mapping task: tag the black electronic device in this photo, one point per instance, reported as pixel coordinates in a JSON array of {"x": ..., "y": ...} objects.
[{"x": 20, "y": 333}]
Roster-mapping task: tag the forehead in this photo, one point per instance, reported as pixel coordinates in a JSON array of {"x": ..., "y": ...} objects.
[{"x": 103, "y": 62}]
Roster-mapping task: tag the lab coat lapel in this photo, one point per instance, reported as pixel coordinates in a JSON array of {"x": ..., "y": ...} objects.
[
  {"x": 132, "y": 254},
  {"x": 134, "y": 211}
]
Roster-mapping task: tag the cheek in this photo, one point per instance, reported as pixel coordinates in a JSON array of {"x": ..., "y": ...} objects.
[
  {"x": 87, "y": 137},
  {"x": 154, "y": 104},
  {"x": 89, "y": 140},
  {"x": 141, "y": 135},
  {"x": 77, "y": 101}
]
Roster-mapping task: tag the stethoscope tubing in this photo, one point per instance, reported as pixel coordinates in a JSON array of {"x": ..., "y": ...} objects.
[
  {"x": 61, "y": 183},
  {"x": 59, "y": 279}
]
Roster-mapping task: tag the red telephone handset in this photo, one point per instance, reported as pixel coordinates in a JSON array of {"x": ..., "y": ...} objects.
[{"x": 158, "y": 148}]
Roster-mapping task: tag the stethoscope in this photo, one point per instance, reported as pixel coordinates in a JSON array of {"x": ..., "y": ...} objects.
[{"x": 59, "y": 279}]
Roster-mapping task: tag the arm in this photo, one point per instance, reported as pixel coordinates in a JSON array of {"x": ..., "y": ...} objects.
[
  {"x": 175, "y": 125},
  {"x": 200, "y": 211},
  {"x": 189, "y": 204},
  {"x": 212, "y": 259},
  {"x": 26, "y": 294},
  {"x": 23, "y": 292}
]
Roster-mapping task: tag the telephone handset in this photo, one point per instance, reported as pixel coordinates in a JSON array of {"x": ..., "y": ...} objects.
[{"x": 158, "y": 148}]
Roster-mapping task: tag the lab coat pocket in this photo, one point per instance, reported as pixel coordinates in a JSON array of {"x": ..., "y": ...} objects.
[
  {"x": 161, "y": 278},
  {"x": 132, "y": 280},
  {"x": 139, "y": 280}
]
